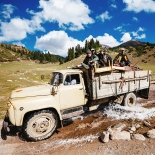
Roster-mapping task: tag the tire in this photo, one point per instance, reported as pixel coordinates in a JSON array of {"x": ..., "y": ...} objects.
[
  {"x": 40, "y": 125},
  {"x": 130, "y": 100}
]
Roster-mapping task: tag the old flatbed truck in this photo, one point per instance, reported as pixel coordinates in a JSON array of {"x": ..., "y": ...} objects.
[{"x": 38, "y": 110}]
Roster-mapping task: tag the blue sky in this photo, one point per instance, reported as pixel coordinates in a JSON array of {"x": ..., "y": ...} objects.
[{"x": 56, "y": 25}]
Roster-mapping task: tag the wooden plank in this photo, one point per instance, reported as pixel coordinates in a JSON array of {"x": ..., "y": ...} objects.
[
  {"x": 103, "y": 69},
  {"x": 111, "y": 68}
]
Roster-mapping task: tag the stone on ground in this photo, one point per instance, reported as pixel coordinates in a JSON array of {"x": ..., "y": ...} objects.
[
  {"x": 151, "y": 133},
  {"x": 105, "y": 137},
  {"x": 138, "y": 137},
  {"x": 124, "y": 135}
]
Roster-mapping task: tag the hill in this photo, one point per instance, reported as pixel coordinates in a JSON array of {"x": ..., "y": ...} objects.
[
  {"x": 132, "y": 43},
  {"x": 10, "y": 53}
]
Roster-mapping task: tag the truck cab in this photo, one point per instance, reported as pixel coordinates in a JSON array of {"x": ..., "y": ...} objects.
[{"x": 70, "y": 88}]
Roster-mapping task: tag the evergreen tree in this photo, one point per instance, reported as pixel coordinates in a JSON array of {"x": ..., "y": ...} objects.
[
  {"x": 61, "y": 61},
  {"x": 71, "y": 54},
  {"x": 86, "y": 46}
]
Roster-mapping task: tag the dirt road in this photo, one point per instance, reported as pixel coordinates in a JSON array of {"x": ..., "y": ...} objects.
[{"x": 81, "y": 135}]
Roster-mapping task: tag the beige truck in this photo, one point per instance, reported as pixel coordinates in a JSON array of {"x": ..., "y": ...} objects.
[{"x": 39, "y": 110}]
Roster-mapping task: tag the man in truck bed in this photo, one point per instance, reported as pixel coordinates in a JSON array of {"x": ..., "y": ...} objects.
[
  {"x": 89, "y": 60},
  {"x": 122, "y": 59}
]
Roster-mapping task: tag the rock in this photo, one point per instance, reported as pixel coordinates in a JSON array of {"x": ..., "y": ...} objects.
[
  {"x": 124, "y": 135},
  {"x": 95, "y": 124},
  {"x": 151, "y": 133},
  {"x": 132, "y": 119},
  {"x": 89, "y": 140},
  {"x": 137, "y": 126},
  {"x": 118, "y": 127},
  {"x": 147, "y": 123},
  {"x": 131, "y": 131},
  {"x": 133, "y": 128},
  {"x": 138, "y": 137},
  {"x": 105, "y": 137},
  {"x": 82, "y": 125}
]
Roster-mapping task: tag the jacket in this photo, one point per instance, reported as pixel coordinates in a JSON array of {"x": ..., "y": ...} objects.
[
  {"x": 121, "y": 57},
  {"x": 104, "y": 60},
  {"x": 93, "y": 58}
]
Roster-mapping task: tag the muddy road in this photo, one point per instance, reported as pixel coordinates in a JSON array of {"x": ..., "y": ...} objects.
[{"x": 80, "y": 136}]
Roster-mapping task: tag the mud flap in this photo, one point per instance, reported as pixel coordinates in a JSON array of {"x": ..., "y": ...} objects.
[
  {"x": 6, "y": 123},
  {"x": 144, "y": 93},
  {"x": 8, "y": 128}
]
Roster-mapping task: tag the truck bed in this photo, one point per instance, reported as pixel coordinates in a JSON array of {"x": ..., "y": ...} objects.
[{"x": 114, "y": 82}]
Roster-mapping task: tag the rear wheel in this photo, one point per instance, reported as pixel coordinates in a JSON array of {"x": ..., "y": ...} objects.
[
  {"x": 40, "y": 125},
  {"x": 130, "y": 100}
]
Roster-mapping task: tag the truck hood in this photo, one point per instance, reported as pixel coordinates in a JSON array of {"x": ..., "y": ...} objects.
[{"x": 41, "y": 90}]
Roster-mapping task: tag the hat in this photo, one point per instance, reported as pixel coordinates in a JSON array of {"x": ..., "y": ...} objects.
[
  {"x": 92, "y": 49},
  {"x": 122, "y": 49},
  {"x": 88, "y": 51},
  {"x": 105, "y": 50}
]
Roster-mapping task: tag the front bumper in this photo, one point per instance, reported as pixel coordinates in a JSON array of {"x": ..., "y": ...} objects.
[
  {"x": 8, "y": 127},
  {"x": 7, "y": 124}
]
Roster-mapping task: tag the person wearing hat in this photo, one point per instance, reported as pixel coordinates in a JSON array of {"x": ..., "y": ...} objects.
[
  {"x": 90, "y": 58},
  {"x": 122, "y": 58},
  {"x": 93, "y": 51},
  {"x": 104, "y": 58}
]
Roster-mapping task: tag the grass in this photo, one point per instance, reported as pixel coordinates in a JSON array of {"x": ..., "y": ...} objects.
[{"x": 21, "y": 74}]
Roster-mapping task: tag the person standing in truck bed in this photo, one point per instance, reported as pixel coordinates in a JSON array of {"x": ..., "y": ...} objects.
[
  {"x": 90, "y": 59},
  {"x": 104, "y": 58},
  {"x": 121, "y": 59}
]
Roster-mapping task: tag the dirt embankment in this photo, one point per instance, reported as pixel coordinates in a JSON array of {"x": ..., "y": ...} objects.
[{"x": 81, "y": 136}]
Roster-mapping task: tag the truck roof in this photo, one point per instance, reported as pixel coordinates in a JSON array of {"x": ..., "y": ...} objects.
[{"x": 69, "y": 71}]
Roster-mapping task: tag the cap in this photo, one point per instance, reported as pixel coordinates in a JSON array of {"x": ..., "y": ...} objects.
[
  {"x": 92, "y": 49},
  {"x": 88, "y": 51},
  {"x": 105, "y": 50},
  {"x": 122, "y": 49}
]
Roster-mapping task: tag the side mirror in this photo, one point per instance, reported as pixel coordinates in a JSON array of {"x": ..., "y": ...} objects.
[{"x": 53, "y": 92}]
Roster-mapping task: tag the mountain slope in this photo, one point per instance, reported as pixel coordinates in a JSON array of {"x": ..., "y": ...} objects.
[
  {"x": 15, "y": 53},
  {"x": 132, "y": 43}
]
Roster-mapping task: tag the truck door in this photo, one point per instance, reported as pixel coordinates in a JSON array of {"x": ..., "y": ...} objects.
[{"x": 72, "y": 92}]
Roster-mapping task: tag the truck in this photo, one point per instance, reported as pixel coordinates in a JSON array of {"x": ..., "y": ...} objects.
[{"x": 39, "y": 110}]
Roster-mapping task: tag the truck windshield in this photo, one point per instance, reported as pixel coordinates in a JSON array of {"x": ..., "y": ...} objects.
[{"x": 56, "y": 78}]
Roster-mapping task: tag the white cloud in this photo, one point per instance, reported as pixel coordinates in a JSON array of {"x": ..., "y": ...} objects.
[
  {"x": 126, "y": 37},
  {"x": 108, "y": 40},
  {"x": 122, "y": 28},
  {"x": 6, "y": 10},
  {"x": 57, "y": 42},
  {"x": 67, "y": 13},
  {"x": 114, "y": 6},
  {"x": 17, "y": 29},
  {"x": 140, "y": 29},
  {"x": 140, "y": 5},
  {"x": 137, "y": 34},
  {"x": 18, "y": 44},
  {"x": 119, "y": 28},
  {"x": 135, "y": 19},
  {"x": 104, "y": 16}
]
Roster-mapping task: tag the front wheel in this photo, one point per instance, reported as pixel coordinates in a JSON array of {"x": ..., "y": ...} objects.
[
  {"x": 130, "y": 100},
  {"x": 40, "y": 125}
]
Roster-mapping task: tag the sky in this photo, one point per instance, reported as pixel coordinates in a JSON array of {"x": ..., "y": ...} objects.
[{"x": 56, "y": 25}]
